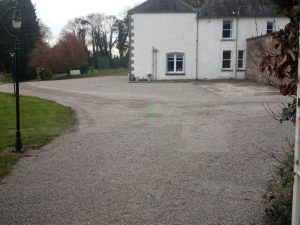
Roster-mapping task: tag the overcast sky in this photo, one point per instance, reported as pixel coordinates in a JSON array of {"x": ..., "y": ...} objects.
[{"x": 56, "y": 13}]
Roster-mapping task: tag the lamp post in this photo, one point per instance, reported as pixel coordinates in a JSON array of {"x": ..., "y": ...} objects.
[
  {"x": 16, "y": 23},
  {"x": 12, "y": 56}
]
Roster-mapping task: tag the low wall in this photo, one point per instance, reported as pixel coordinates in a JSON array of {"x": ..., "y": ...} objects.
[{"x": 257, "y": 47}]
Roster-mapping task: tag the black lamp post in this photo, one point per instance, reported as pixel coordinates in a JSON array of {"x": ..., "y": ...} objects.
[
  {"x": 12, "y": 56},
  {"x": 16, "y": 23}
]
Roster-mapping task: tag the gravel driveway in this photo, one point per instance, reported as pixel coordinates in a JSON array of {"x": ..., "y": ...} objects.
[{"x": 148, "y": 154}]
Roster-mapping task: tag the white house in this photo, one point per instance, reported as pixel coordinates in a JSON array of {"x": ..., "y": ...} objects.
[{"x": 170, "y": 40}]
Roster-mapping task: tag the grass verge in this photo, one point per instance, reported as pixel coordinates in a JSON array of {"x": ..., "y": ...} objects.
[
  {"x": 41, "y": 122},
  {"x": 90, "y": 74},
  {"x": 93, "y": 73},
  {"x": 7, "y": 78}
]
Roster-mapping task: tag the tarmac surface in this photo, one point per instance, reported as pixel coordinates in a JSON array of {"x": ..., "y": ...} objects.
[{"x": 166, "y": 153}]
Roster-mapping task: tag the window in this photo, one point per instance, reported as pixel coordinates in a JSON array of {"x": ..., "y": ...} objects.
[
  {"x": 241, "y": 59},
  {"x": 226, "y": 60},
  {"x": 270, "y": 27},
  {"x": 175, "y": 63},
  {"x": 227, "y": 29}
]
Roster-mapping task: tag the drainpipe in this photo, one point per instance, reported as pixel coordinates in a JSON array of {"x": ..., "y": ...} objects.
[
  {"x": 197, "y": 45},
  {"x": 153, "y": 59},
  {"x": 154, "y": 63},
  {"x": 236, "y": 42}
]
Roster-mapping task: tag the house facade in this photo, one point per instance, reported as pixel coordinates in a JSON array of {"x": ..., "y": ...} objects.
[{"x": 169, "y": 40}]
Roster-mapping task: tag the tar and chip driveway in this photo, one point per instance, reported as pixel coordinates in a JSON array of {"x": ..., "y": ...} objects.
[{"x": 148, "y": 154}]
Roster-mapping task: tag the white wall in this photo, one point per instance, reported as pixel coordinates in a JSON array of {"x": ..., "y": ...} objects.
[
  {"x": 167, "y": 33},
  {"x": 211, "y": 44},
  {"x": 175, "y": 32}
]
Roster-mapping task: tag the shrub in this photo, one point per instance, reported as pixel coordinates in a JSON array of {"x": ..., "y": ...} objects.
[
  {"x": 43, "y": 73},
  {"x": 279, "y": 194},
  {"x": 84, "y": 69},
  {"x": 284, "y": 65}
]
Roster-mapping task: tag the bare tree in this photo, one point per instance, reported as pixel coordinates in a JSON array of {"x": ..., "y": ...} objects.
[
  {"x": 103, "y": 34},
  {"x": 110, "y": 29},
  {"x": 94, "y": 22},
  {"x": 45, "y": 32},
  {"x": 78, "y": 27}
]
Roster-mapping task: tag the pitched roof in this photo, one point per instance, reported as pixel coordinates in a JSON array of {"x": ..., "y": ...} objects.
[
  {"x": 163, "y": 6},
  {"x": 229, "y": 8}
]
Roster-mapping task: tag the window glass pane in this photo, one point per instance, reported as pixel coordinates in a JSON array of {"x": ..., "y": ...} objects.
[
  {"x": 170, "y": 66},
  {"x": 226, "y": 33},
  {"x": 226, "y": 64},
  {"x": 179, "y": 66},
  {"x": 241, "y": 59},
  {"x": 227, "y": 25},
  {"x": 175, "y": 63},
  {"x": 226, "y": 54},
  {"x": 240, "y": 63},
  {"x": 270, "y": 27},
  {"x": 226, "y": 29},
  {"x": 226, "y": 60},
  {"x": 241, "y": 54},
  {"x": 171, "y": 60}
]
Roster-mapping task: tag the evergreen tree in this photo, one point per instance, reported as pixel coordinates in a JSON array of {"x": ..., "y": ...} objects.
[
  {"x": 122, "y": 39},
  {"x": 29, "y": 35}
]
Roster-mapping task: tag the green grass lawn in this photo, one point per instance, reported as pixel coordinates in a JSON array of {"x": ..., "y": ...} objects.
[
  {"x": 41, "y": 121},
  {"x": 93, "y": 73},
  {"x": 7, "y": 78}
]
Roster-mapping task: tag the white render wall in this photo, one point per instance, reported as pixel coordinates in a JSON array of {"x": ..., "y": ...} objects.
[
  {"x": 211, "y": 44},
  {"x": 168, "y": 33},
  {"x": 177, "y": 33}
]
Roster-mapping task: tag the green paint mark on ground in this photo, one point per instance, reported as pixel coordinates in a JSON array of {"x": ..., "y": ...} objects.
[{"x": 150, "y": 112}]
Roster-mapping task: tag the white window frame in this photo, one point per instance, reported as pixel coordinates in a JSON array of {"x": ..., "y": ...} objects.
[
  {"x": 241, "y": 60},
  {"x": 269, "y": 31},
  {"x": 175, "y": 56},
  {"x": 230, "y": 29},
  {"x": 230, "y": 60}
]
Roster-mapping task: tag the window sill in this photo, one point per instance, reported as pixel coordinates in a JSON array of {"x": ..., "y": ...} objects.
[
  {"x": 227, "y": 39},
  {"x": 227, "y": 70},
  {"x": 175, "y": 74},
  {"x": 241, "y": 70}
]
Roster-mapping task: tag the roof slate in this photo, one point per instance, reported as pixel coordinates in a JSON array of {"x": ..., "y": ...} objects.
[
  {"x": 247, "y": 8},
  {"x": 163, "y": 6}
]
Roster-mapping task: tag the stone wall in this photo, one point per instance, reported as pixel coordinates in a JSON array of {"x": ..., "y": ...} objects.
[{"x": 257, "y": 47}]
